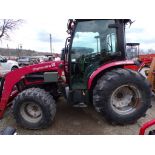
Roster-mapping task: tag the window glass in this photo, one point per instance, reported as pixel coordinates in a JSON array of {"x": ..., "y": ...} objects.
[{"x": 94, "y": 37}]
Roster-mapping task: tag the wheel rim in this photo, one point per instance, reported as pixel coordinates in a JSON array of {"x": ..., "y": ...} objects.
[
  {"x": 125, "y": 99},
  {"x": 31, "y": 112}
]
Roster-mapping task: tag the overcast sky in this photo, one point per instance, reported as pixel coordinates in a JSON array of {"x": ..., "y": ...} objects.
[
  {"x": 34, "y": 34},
  {"x": 143, "y": 32},
  {"x": 51, "y": 17}
]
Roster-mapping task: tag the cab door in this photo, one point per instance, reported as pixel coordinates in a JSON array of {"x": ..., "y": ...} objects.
[{"x": 93, "y": 44}]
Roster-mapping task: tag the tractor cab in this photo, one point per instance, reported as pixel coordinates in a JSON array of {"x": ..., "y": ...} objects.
[
  {"x": 132, "y": 50},
  {"x": 91, "y": 44}
]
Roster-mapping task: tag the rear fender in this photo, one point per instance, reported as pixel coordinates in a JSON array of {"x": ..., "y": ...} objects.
[{"x": 121, "y": 64}]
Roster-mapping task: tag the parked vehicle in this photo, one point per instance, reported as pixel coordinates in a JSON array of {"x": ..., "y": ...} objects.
[
  {"x": 40, "y": 59},
  {"x": 7, "y": 65},
  {"x": 101, "y": 77},
  {"x": 24, "y": 61}
]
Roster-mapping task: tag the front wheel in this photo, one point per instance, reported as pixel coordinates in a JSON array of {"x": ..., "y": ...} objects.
[
  {"x": 122, "y": 96},
  {"x": 34, "y": 108}
]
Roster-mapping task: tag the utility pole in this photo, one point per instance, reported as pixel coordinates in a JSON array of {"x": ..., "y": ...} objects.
[
  {"x": 20, "y": 49},
  {"x": 51, "y": 43}
]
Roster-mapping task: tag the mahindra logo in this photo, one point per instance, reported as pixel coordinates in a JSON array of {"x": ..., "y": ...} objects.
[{"x": 41, "y": 68}]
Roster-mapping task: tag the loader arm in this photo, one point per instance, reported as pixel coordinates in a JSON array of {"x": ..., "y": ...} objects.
[{"x": 12, "y": 78}]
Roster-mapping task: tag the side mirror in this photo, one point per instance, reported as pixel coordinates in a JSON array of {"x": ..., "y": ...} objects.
[
  {"x": 69, "y": 26},
  {"x": 69, "y": 23}
]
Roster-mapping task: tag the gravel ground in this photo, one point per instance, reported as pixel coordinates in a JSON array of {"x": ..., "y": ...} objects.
[{"x": 73, "y": 121}]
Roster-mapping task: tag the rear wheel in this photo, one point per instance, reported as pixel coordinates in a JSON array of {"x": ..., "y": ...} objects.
[
  {"x": 34, "y": 108},
  {"x": 123, "y": 96}
]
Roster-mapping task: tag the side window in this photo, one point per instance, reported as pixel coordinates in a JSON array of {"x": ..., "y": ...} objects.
[
  {"x": 85, "y": 43},
  {"x": 93, "y": 38}
]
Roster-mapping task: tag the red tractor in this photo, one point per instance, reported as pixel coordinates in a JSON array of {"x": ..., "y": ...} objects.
[{"x": 93, "y": 70}]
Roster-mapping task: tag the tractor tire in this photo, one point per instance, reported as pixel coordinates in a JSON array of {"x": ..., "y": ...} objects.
[
  {"x": 122, "y": 96},
  {"x": 34, "y": 108}
]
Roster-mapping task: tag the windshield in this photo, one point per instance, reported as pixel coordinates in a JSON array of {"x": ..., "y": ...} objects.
[{"x": 94, "y": 37}]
